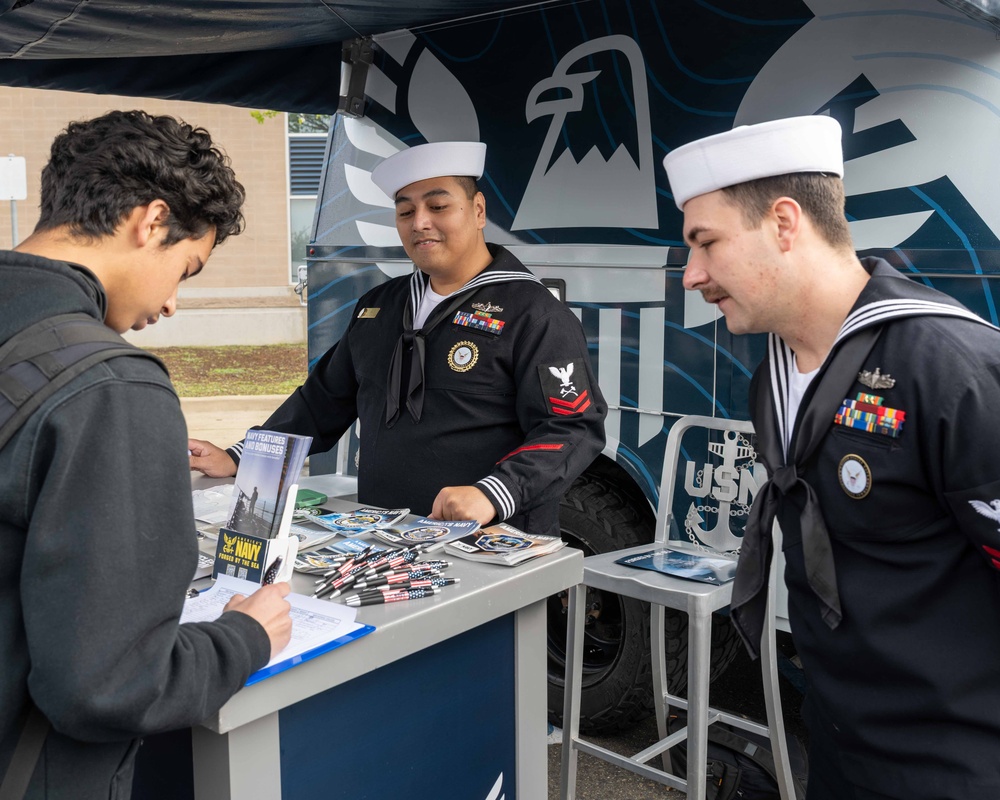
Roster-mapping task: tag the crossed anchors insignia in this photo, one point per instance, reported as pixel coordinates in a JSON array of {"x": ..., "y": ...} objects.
[
  {"x": 729, "y": 485},
  {"x": 876, "y": 380}
]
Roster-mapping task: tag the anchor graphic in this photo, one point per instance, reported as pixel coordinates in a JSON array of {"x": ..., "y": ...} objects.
[{"x": 724, "y": 484}]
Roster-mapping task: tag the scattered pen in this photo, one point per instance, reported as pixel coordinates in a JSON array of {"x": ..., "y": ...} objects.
[
  {"x": 391, "y": 597},
  {"x": 375, "y": 591},
  {"x": 336, "y": 582},
  {"x": 351, "y": 562},
  {"x": 384, "y": 578},
  {"x": 429, "y": 565},
  {"x": 416, "y": 583},
  {"x": 407, "y": 557}
]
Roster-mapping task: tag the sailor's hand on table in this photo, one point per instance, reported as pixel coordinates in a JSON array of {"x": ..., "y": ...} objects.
[
  {"x": 270, "y": 608},
  {"x": 463, "y": 502},
  {"x": 213, "y": 461}
]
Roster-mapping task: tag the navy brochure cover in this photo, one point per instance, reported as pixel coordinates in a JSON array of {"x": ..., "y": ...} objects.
[
  {"x": 360, "y": 521},
  {"x": 424, "y": 529},
  {"x": 271, "y": 462},
  {"x": 715, "y": 569},
  {"x": 240, "y": 555}
]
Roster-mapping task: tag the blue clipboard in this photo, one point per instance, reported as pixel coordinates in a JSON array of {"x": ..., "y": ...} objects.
[{"x": 288, "y": 663}]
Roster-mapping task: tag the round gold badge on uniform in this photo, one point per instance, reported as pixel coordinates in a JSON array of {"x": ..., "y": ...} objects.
[
  {"x": 463, "y": 356},
  {"x": 855, "y": 477}
]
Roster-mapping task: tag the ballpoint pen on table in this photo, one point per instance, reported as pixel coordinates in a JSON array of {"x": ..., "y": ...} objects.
[
  {"x": 376, "y": 591},
  {"x": 387, "y": 578},
  {"x": 391, "y": 597}
]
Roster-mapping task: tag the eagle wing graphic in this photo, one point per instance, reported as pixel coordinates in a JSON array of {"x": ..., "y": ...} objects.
[
  {"x": 562, "y": 374},
  {"x": 989, "y": 510}
]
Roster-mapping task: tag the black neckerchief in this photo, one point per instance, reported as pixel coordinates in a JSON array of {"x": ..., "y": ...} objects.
[
  {"x": 888, "y": 295},
  {"x": 504, "y": 268}
]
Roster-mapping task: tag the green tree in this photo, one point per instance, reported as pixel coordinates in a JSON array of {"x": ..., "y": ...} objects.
[
  {"x": 309, "y": 123},
  {"x": 298, "y": 123}
]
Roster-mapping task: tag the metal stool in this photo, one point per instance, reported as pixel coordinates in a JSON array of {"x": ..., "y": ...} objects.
[{"x": 699, "y": 600}]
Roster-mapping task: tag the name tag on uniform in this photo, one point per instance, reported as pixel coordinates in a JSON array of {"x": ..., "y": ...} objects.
[{"x": 368, "y": 313}]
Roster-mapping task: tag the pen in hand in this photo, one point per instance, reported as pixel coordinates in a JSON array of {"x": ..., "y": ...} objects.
[{"x": 272, "y": 572}]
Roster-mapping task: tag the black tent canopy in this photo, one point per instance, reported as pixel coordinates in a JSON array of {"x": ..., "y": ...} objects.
[{"x": 277, "y": 54}]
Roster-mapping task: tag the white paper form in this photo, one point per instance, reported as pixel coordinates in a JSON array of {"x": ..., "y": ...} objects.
[{"x": 317, "y": 625}]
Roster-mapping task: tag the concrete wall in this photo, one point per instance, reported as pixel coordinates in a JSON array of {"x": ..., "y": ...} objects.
[{"x": 244, "y": 295}]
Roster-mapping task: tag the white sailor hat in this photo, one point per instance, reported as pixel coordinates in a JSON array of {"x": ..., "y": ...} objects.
[
  {"x": 432, "y": 160},
  {"x": 749, "y": 152}
]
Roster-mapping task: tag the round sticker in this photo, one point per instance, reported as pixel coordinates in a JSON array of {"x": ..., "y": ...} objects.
[
  {"x": 426, "y": 533},
  {"x": 855, "y": 477},
  {"x": 357, "y": 521},
  {"x": 463, "y": 356}
]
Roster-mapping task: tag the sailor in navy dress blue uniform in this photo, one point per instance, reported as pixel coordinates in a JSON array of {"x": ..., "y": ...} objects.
[
  {"x": 472, "y": 383},
  {"x": 509, "y": 400},
  {"x": 873, "y": 413}
]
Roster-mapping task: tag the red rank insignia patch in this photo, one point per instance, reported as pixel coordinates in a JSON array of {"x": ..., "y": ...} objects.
[{"x": 565, "y": 387}]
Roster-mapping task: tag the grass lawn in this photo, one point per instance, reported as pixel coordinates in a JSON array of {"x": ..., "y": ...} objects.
[{"x": 236, "y": 369}]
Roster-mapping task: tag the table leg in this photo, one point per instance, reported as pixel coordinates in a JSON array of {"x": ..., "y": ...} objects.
[
  {"x": 244, "y": 764},
  {"x": 531, "y": 700}
]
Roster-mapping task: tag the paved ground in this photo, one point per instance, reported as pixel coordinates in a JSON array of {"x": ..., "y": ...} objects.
[
  {"x": 739, "y": 690},
  {"x": 598, "y": 780},
  {"x": 224, "y": 420}
]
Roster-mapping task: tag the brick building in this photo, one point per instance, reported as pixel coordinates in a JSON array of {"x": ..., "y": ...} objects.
[{"x": 246, "y": 293}]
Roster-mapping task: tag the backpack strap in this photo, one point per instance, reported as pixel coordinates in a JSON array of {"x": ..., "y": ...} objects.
[
  {"x": 39, "y": 360},
  {"x": 26, "y": 753},
  {"x": 34, "y": 364},
  {"x": 759, "y": 754}
]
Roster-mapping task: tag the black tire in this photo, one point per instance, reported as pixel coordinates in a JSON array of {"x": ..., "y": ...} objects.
[{"x": 597, "y": 516}]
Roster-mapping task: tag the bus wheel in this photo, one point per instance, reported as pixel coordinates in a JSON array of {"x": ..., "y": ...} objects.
[{"x": 596, "y": 517}]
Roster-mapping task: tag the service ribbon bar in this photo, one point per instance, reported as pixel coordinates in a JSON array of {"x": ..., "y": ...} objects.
[
  {"x": 480, "y": 320},
  {"x": 867, "y": 413}
]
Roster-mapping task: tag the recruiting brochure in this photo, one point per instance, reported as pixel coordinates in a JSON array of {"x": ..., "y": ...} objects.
[
  {"x": 270, "y": 465},
  {"x": 424, "y": 529},
  {"x": 308, "y": 513},
  {"x": 254, "y": 544},
  {"x": 361, "y": 520},
  {"x": 213, "y": 505},
  {"x": 327, "y": 558},
  {"x": 353, "y": 546},
  {"x": 205, "y": 565},
  {"x": 715, "y": 569},
  {"x": 318, "y": 562},
  {"x": 503, "y": 544},
  {"x": 318, "y": 626},
  {"x": 310, "y": 538}
]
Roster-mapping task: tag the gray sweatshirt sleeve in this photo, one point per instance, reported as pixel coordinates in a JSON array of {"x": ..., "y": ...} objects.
[{"x": 109, "y": 553}]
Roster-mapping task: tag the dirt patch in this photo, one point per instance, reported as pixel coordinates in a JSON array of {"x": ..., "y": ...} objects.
[{"x": 237, "y": 369}]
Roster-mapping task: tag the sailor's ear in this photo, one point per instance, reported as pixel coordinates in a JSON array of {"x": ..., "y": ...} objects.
[{"x": 786, "y": 215}]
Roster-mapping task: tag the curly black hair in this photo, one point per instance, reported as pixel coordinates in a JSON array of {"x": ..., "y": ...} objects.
[{"x": 101, "y": 169}]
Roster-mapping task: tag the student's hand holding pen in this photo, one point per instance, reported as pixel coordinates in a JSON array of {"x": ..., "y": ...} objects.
[
  {"x": 268, "y": 606},
  {"x": 209, "y": 459}
]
